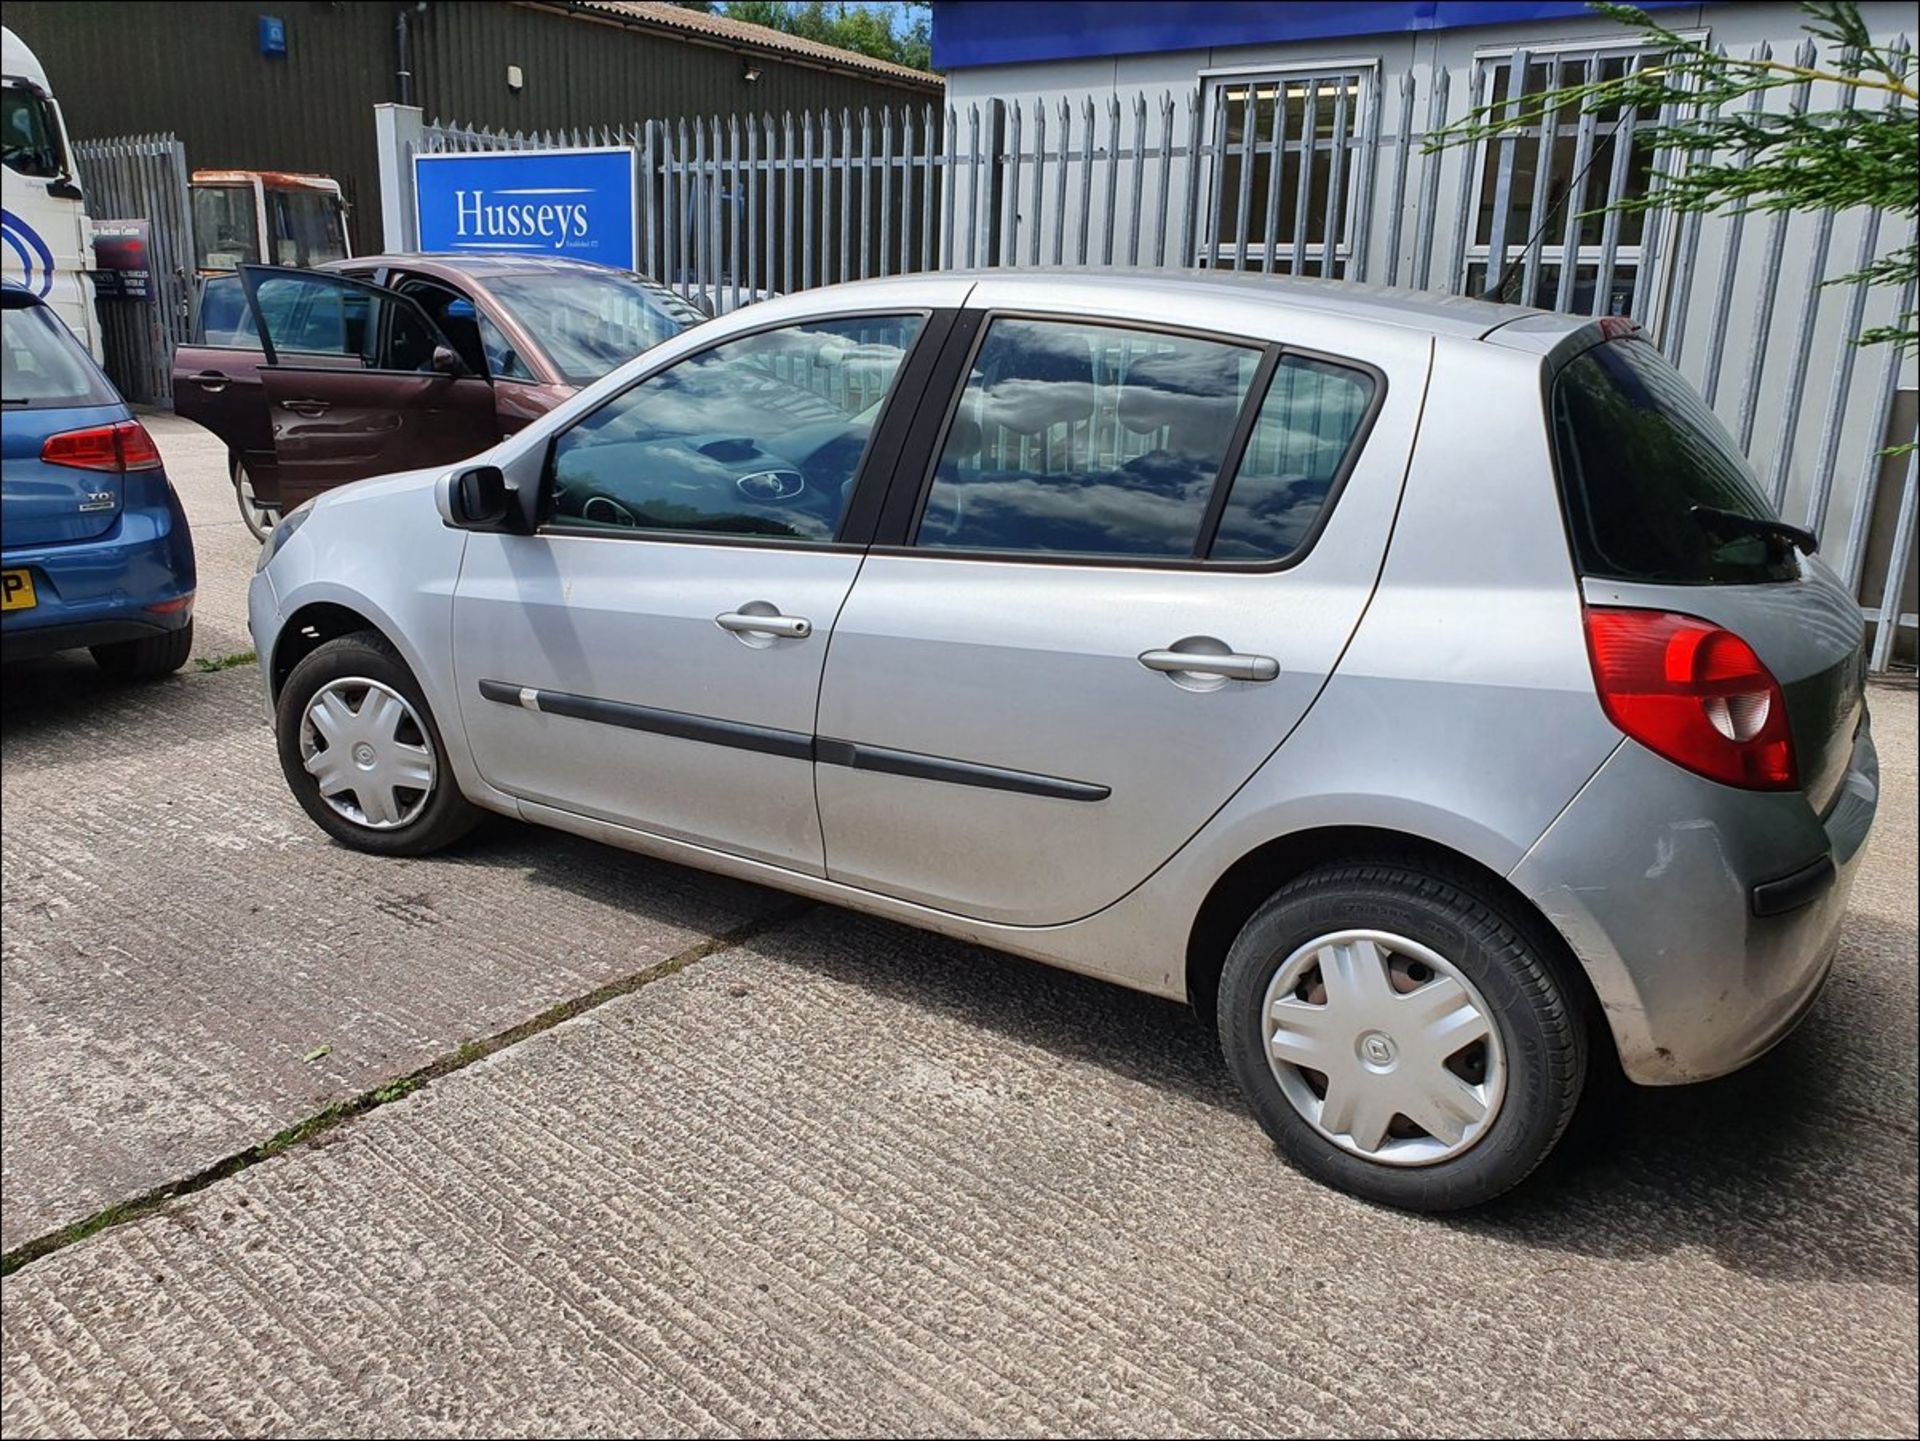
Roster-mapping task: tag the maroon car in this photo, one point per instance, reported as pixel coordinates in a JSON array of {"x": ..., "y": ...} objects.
[{"x": 382, "y": 363}]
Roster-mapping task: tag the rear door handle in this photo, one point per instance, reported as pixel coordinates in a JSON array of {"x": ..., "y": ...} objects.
[
  {"x": 307, "y": 407},
  {"x": 211, "y": 380},
  {"x": 790, "y": 627},
  {"x": 1229, "y": 666}
]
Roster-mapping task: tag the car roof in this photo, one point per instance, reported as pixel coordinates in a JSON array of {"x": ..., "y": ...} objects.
[
  {"x": 479, "y": 266},
  {"x": 1429, "y": 312},
  {"x": 1425, "y": 310}
]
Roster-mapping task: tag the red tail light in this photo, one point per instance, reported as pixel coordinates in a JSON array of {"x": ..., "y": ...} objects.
[
  {"x": 121, "y": 447},
  {"x": 1694, "y": 693}
]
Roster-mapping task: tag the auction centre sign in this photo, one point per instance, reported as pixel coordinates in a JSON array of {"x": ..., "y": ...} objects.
[{"x": 576, "y": 203}]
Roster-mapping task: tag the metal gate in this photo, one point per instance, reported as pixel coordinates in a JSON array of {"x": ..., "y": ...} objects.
[{"x": 144, "y": 177}]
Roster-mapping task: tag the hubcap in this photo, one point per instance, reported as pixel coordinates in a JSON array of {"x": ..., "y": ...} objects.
[
  {"x": 1384, "y": 1047},
  {"x": 368, "y": 753}
]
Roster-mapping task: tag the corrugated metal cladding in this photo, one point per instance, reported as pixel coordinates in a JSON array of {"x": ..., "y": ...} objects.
[{"x": 196, "y": 70}]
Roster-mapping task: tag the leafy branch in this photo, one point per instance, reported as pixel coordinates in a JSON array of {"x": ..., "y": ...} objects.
[{"x": 1729, "y": 152}]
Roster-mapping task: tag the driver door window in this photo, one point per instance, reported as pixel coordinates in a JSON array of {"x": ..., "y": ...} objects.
[
  {"x": 758, "y": 436},
  {"x": 303, "y": 313}
]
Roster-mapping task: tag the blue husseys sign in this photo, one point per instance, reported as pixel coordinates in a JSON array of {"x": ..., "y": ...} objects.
[{"x": 576, "y": 203}]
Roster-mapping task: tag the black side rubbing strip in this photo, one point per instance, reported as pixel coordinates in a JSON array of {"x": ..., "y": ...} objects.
[
  {"x": 736, "y": 734},
  {"x": 961, "y": 773},
  {"x": 794, "y": 745}
]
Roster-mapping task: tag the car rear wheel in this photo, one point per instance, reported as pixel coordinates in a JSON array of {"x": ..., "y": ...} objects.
[
  {"x": 147, "y": 658},
  {"x": 361, "y": 751},
  {"x": 259, "y": 519},
  {"x": 1403, "y": 1034}
]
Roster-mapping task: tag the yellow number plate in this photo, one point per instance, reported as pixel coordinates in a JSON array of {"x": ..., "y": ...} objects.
[{"x": 16, "y": 590}]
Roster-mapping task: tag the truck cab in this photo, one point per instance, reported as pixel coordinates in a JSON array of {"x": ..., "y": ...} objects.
[
  {"x": 266, "y": 217},
  {"x": 48, "y": 247}
]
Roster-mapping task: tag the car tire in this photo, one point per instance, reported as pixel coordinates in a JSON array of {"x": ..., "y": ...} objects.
[
  {"x": 1457, "y": 960},
  {"x": 258, "y": 519},
  {"x": 323, "y": 708},
  {"x": 148, "y": 658}
]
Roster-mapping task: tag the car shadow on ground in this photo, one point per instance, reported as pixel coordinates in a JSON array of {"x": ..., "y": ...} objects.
[
  {"x": 52, "y": 691},
  {"x": 47, "y": 701},
  {"x": 1765, "y": 1169}
]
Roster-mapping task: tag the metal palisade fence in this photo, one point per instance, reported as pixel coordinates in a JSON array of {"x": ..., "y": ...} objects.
[
  {"x": 1325, "y": 171},
  {"x": 144, "y": 177}
]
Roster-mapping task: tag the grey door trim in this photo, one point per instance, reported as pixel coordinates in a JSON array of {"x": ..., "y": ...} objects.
[{"x": 792, "y": 744}]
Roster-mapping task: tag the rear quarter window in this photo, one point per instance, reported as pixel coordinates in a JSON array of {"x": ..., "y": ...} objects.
[{"x": 1637, "y": 450}]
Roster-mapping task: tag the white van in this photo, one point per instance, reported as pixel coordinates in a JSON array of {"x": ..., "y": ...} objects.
[{"x": 47, "y": 244}]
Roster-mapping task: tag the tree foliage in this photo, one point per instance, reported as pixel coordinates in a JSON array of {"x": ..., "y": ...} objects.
[
  {"x": 1732, "y": 152},
  {"x": 849, "y": 27}
]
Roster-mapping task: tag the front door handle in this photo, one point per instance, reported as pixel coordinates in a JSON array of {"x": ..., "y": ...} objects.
[
  {"x": 789, "y": 627},
  {"x": 1229, "y": 666},
  {"x": 212, "y": 381},
  {"x": 307, "y": 407}
]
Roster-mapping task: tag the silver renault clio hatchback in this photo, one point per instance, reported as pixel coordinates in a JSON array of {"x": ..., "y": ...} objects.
[{"x": 1420, "y": 687}]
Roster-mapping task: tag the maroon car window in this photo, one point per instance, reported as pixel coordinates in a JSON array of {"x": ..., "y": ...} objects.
[
  {"x": 316, "y": 315},
  {"x": 589, "y": 323},
  {"x": 503, "y": 361}
]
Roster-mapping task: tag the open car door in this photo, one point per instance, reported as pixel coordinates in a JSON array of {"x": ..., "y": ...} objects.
[{"x": 358, "y": 381}]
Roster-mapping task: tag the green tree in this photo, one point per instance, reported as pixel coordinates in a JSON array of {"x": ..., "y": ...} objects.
[
  {"x": 859, "y": 28},
  {"x": 1693, "y": 105}
]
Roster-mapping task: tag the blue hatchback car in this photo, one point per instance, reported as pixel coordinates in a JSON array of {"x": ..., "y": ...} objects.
[{"x": 94, "y": 547}]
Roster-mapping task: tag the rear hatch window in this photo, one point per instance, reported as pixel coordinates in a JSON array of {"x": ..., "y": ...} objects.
[
  {"x": 42, "y": 366},
  {"x": 1638, "y": 451}
]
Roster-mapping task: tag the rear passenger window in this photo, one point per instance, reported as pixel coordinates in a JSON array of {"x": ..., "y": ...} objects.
[
  {"x": 1086, "y": 440},
  {"x": 1307, "y": 426}
]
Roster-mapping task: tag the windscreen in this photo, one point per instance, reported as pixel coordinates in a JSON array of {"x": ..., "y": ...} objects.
[
  {"x": 590, "y": 323},
  {"x": 226, "y": 227},
  {"x": 29, "y": 137},
  {"x": 307, "y": 227},
  {"x": 1638, "y": 452}
]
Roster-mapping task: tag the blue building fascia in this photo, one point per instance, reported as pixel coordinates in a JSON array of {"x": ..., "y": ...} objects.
[{"x": 968, "y": 33}]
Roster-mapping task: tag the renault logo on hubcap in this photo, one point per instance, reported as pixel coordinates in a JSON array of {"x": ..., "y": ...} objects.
[
  {"x": 363, "y": 756},
  {"x": 1377, "y": 1049}
]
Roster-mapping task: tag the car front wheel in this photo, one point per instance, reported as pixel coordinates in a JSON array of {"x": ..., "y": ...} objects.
[
  {"x": 362, "y": 753},
  {"x": 1402, "y": 1033},
  {"x": 259, "y": 519}
]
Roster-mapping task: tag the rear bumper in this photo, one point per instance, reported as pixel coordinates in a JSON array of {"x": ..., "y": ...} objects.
[
  {"x": 1706, "y": 917},
  {"x": 135, "y": 581}
]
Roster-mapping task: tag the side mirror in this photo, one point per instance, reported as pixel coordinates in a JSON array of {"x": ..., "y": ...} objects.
[
  {"x": 446, "y": 361},
  {"x": 478, "y": 498}
]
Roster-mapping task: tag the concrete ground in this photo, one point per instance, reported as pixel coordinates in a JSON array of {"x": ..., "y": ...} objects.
[{"x": 784, "y": 1169}]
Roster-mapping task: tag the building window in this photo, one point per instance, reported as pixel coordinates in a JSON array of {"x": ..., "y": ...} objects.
[
  {"x": 1284, "y": 202},
  {"x": 1554, "y": 177}
]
